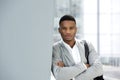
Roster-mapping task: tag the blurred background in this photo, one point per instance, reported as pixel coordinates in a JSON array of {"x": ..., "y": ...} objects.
[{"x": 97, "y": 22}]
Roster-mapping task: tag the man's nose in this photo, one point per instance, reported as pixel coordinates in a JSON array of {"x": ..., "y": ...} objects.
[{"x": 68, "y": 31}]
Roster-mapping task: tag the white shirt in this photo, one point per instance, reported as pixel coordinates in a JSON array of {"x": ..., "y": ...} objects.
[{"x": 74, "y": 52}]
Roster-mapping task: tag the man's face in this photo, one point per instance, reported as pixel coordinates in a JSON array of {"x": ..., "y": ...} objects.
[{"x": 68, "y": 30}]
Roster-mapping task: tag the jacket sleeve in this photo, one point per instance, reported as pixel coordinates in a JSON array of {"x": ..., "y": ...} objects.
[
  {"x": 95, "y": 68},
  {"x": 65, "y": 73}
]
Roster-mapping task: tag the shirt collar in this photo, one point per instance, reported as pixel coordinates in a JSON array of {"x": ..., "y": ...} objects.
[{"x": 66, "y": 45}]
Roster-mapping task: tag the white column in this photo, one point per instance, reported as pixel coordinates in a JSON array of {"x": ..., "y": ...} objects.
[{"x": 25, "y": 39}]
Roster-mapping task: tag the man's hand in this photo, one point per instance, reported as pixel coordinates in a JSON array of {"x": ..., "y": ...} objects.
[
  {"x": 60, "y": 64},
  {"x": 87, "y": 65}
]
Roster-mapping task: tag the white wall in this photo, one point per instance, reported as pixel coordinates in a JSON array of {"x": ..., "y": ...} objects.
[{"x": 25, "y": 39}]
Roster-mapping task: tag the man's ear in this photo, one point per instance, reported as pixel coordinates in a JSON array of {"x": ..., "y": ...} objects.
[{"x": 59, "y": 29}]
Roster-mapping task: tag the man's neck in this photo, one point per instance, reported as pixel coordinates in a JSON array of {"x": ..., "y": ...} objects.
[{"x": 71, "y": 43}]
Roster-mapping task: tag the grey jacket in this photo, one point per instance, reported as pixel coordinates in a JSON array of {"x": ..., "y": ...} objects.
[{"x": 79, "y": 71}]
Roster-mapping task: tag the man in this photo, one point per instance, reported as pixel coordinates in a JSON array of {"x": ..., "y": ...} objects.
[{"x": 68, "y": 60}]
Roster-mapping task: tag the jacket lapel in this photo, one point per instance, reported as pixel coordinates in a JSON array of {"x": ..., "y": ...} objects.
[{"x": 66, "y": 56}]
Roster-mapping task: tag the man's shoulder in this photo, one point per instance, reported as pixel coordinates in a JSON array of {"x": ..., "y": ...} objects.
[
  {"x": 57, "y": 43},
  {"x": 82, "y": 41},
  {"x": 79, "y": 41}
]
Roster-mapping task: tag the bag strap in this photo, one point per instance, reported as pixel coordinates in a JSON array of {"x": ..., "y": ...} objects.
[
  {"x": 86, "y": 55},
  {"x": 86, "y": 50}
]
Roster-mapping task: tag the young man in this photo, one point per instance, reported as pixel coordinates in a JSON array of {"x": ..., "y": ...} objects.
[{"x": 68, "y": 60}]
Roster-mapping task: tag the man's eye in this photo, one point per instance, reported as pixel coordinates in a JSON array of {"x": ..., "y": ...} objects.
[
  {"x": 64, "y": 28},
  {"x": 71, "y": 28}
]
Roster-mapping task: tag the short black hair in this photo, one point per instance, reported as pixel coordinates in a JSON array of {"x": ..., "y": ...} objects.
[{"x": 67, "y": 17}]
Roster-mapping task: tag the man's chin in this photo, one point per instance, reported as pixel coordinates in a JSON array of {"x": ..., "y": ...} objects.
[{"x": 68, "y": 39}]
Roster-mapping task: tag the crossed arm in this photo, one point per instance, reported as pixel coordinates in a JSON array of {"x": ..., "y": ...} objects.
[
  {"x": 61, "y": 72},
  {"x": 61, "y": 64}
]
